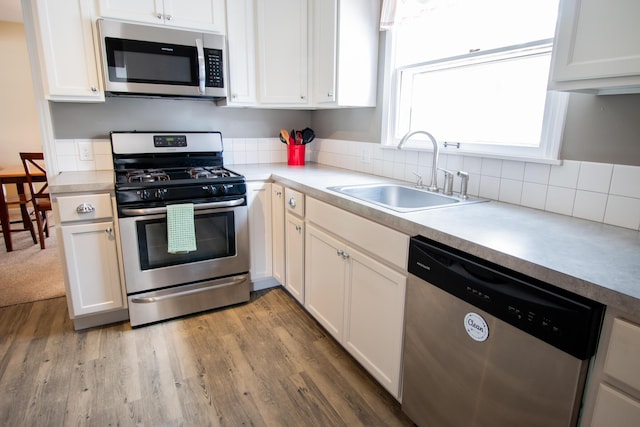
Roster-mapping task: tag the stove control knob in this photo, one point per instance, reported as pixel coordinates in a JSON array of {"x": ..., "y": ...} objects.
[
  {"x": 159, "y": 193},
  {"x": 226, "y": 188},
  {"x": 144, "y": 194},
  {"x": 211, "y": 189}
]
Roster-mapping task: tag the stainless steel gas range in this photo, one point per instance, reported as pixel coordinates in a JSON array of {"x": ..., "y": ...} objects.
[{"x": 152, "y": 171}]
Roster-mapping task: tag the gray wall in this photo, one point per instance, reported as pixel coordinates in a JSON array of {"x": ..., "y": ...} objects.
[
  {"x": 603, "y": 129},
  {"x": 75, "y": 120}
]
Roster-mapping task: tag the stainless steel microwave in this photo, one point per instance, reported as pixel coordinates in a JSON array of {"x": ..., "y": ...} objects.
[{"x": 155, "y": 61}]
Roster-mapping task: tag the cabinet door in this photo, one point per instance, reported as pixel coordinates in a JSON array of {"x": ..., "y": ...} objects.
[
  {"x": 374, "y": 318},
  {"x": 277, "y": 221},
  {"x": 151, "y": 11},
  {"x": 92, "y": 266},
  {"x": 67, "y": 52},
  {"x": 324, "y": 53},
  {"x": 596, "y": 45},
  {"x": 206, "y": 15},
  {"x": 325, "y": 273},
  {"x": 242, "y": 52},
  {"x": 259, "y": 201},
  {"x": 282, "y": 46},
  {"x": 295, "y": 256}
]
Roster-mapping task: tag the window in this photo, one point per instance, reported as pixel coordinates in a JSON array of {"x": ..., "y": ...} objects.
[{"x": 474, "y": 74}]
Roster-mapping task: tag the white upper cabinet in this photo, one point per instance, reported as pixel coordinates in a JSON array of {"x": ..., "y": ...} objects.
[
  {"x": 345, "y": 52},
  {"x": 206, "y": 15},
  {"x": 66, "y": 50},
  {"x": 303, "y": 53},
  {"x": 241, "y": 39},
  {"x": 282, "y": 52},
  {"x": 596, "y": 47}
]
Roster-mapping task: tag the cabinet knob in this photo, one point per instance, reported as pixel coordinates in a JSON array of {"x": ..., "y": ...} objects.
[
  {"x": 345, "y": 255},
  {"x": 85, "y": 208},
  {"x": 339, "y": 252},
  {"x": 278, "y": 193},
  {"x": 159, "y": 16},
  {"x": 168, "y": 17},
  {"x": 94, "y": 89},
  {"x": 329, "y": 94},
  {"x": 298, "y": 228},
  {"x": 108, "y": 230},
  {"x": 292, "y": 202}
]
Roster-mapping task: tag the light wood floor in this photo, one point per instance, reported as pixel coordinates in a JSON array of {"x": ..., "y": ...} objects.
[{"x": 264, "y": 363}]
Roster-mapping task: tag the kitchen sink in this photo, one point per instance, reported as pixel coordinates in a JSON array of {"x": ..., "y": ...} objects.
[{"x": 401, "y": 198}]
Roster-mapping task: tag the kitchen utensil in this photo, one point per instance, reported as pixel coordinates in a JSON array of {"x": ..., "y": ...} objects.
[
  {"x": 299, "y": 137},
  {"x": 308, "y": 135},
  {"x": 284, "y": 136},
  {"x": 292, "y": 136}
]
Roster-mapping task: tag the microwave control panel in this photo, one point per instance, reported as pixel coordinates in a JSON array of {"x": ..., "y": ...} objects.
[{"x": 214, "y": 68}]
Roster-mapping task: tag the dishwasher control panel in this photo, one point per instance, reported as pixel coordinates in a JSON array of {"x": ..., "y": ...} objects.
[{"x": 567, "y": 321}]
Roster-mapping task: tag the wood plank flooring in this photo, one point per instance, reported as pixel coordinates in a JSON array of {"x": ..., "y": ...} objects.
[{"x": 264, "y": 363}]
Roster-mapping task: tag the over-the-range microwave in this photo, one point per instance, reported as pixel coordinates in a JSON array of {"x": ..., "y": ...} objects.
[{"x": 146, "y": 60}]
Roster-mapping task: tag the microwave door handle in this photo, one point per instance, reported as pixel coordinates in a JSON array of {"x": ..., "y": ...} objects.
[{"x": 201, "y": 65}]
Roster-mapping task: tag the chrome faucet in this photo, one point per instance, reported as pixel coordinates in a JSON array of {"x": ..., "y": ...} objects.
[{"x": 434, "y": 168}]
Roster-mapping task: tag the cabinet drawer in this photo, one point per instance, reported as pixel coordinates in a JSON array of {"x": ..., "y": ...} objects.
[
  {"x": 69, "y": 206},
  {"x": 294, "y": 201},
  {"x": 387, "y": 244},
  {"x": 624, "y": 353}
]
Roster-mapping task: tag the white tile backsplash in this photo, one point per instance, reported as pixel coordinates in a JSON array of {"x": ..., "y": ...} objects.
[
  {"x": 560, "y": 200},
  {"x": 595, "y": 177},
  {"x": 623, "y": 212},
  {"x": 537, "y": 173},
  {"x": 565, "y": 175},
  {"x": 593, "y": 191},
  {"x": 626, "y": 181},
  {"x": 590, "y": 205}
]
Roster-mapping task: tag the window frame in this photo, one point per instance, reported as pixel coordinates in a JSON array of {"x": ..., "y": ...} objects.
[{"x": 552, "y": 128}]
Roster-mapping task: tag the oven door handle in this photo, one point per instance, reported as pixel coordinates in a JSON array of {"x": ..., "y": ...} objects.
[
  {"x": 145, "y": 300},
  {"x": 196, "y": 207}
]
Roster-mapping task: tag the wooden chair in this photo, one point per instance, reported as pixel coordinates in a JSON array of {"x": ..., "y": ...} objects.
[
  {"x": 20, "y": 200},
  {"x": 33, "y": 163}
]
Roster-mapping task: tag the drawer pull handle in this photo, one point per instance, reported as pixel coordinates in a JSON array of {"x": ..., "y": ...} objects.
[
  {"x": 85, "y": 208},
  {"x": 292, "y": 202}
]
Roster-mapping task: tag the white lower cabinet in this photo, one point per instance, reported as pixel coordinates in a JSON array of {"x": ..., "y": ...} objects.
[
  {"x": 356, "y": 297},
  {"x": 92, "y": 267},
  {"x": 260, "y": 232},
  {"x": 294, "y": 238},
  {"x": 325, "y": 280},
  {"x": 89, "y": 237},
  {"x": 374, "y": 318},
  {"x": 277, "y": 224},
  {"x": 613, "y": 390}
]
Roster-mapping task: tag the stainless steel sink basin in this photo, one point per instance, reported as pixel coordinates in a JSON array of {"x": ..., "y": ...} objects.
[{"x": 401, "y": 198}]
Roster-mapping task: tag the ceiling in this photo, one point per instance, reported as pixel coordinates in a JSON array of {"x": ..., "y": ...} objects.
[{"x": 10, "y": 10}]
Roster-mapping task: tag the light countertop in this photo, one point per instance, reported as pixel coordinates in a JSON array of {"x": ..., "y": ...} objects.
[{"x": 598, "y": 261}]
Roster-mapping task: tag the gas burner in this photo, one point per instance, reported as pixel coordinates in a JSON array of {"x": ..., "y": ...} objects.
[
  {"x": 147, "y": 175},
  {"x": 208, "y": 172}
]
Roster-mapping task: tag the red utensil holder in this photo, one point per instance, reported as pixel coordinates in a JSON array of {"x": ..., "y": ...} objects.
[{"x": 295, "y": 155}]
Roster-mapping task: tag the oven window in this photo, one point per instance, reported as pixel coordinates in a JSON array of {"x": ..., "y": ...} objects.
[{"x": 215, "y": 238}]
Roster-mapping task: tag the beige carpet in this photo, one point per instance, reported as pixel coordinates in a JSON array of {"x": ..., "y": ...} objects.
[{"x": 28, "y": 273}]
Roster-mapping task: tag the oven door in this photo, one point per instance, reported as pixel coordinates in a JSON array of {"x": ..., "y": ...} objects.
[{"x": 222, "y": 242}]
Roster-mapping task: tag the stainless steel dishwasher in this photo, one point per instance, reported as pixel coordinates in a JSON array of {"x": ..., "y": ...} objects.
[{"x": 486, "y": 346}]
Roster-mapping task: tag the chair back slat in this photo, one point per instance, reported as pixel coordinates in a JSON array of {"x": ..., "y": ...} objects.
[{"x": 33, "y": 164}]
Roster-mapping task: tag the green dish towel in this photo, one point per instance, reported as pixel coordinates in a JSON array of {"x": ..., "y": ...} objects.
[{"x": 181, "y": 232}]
